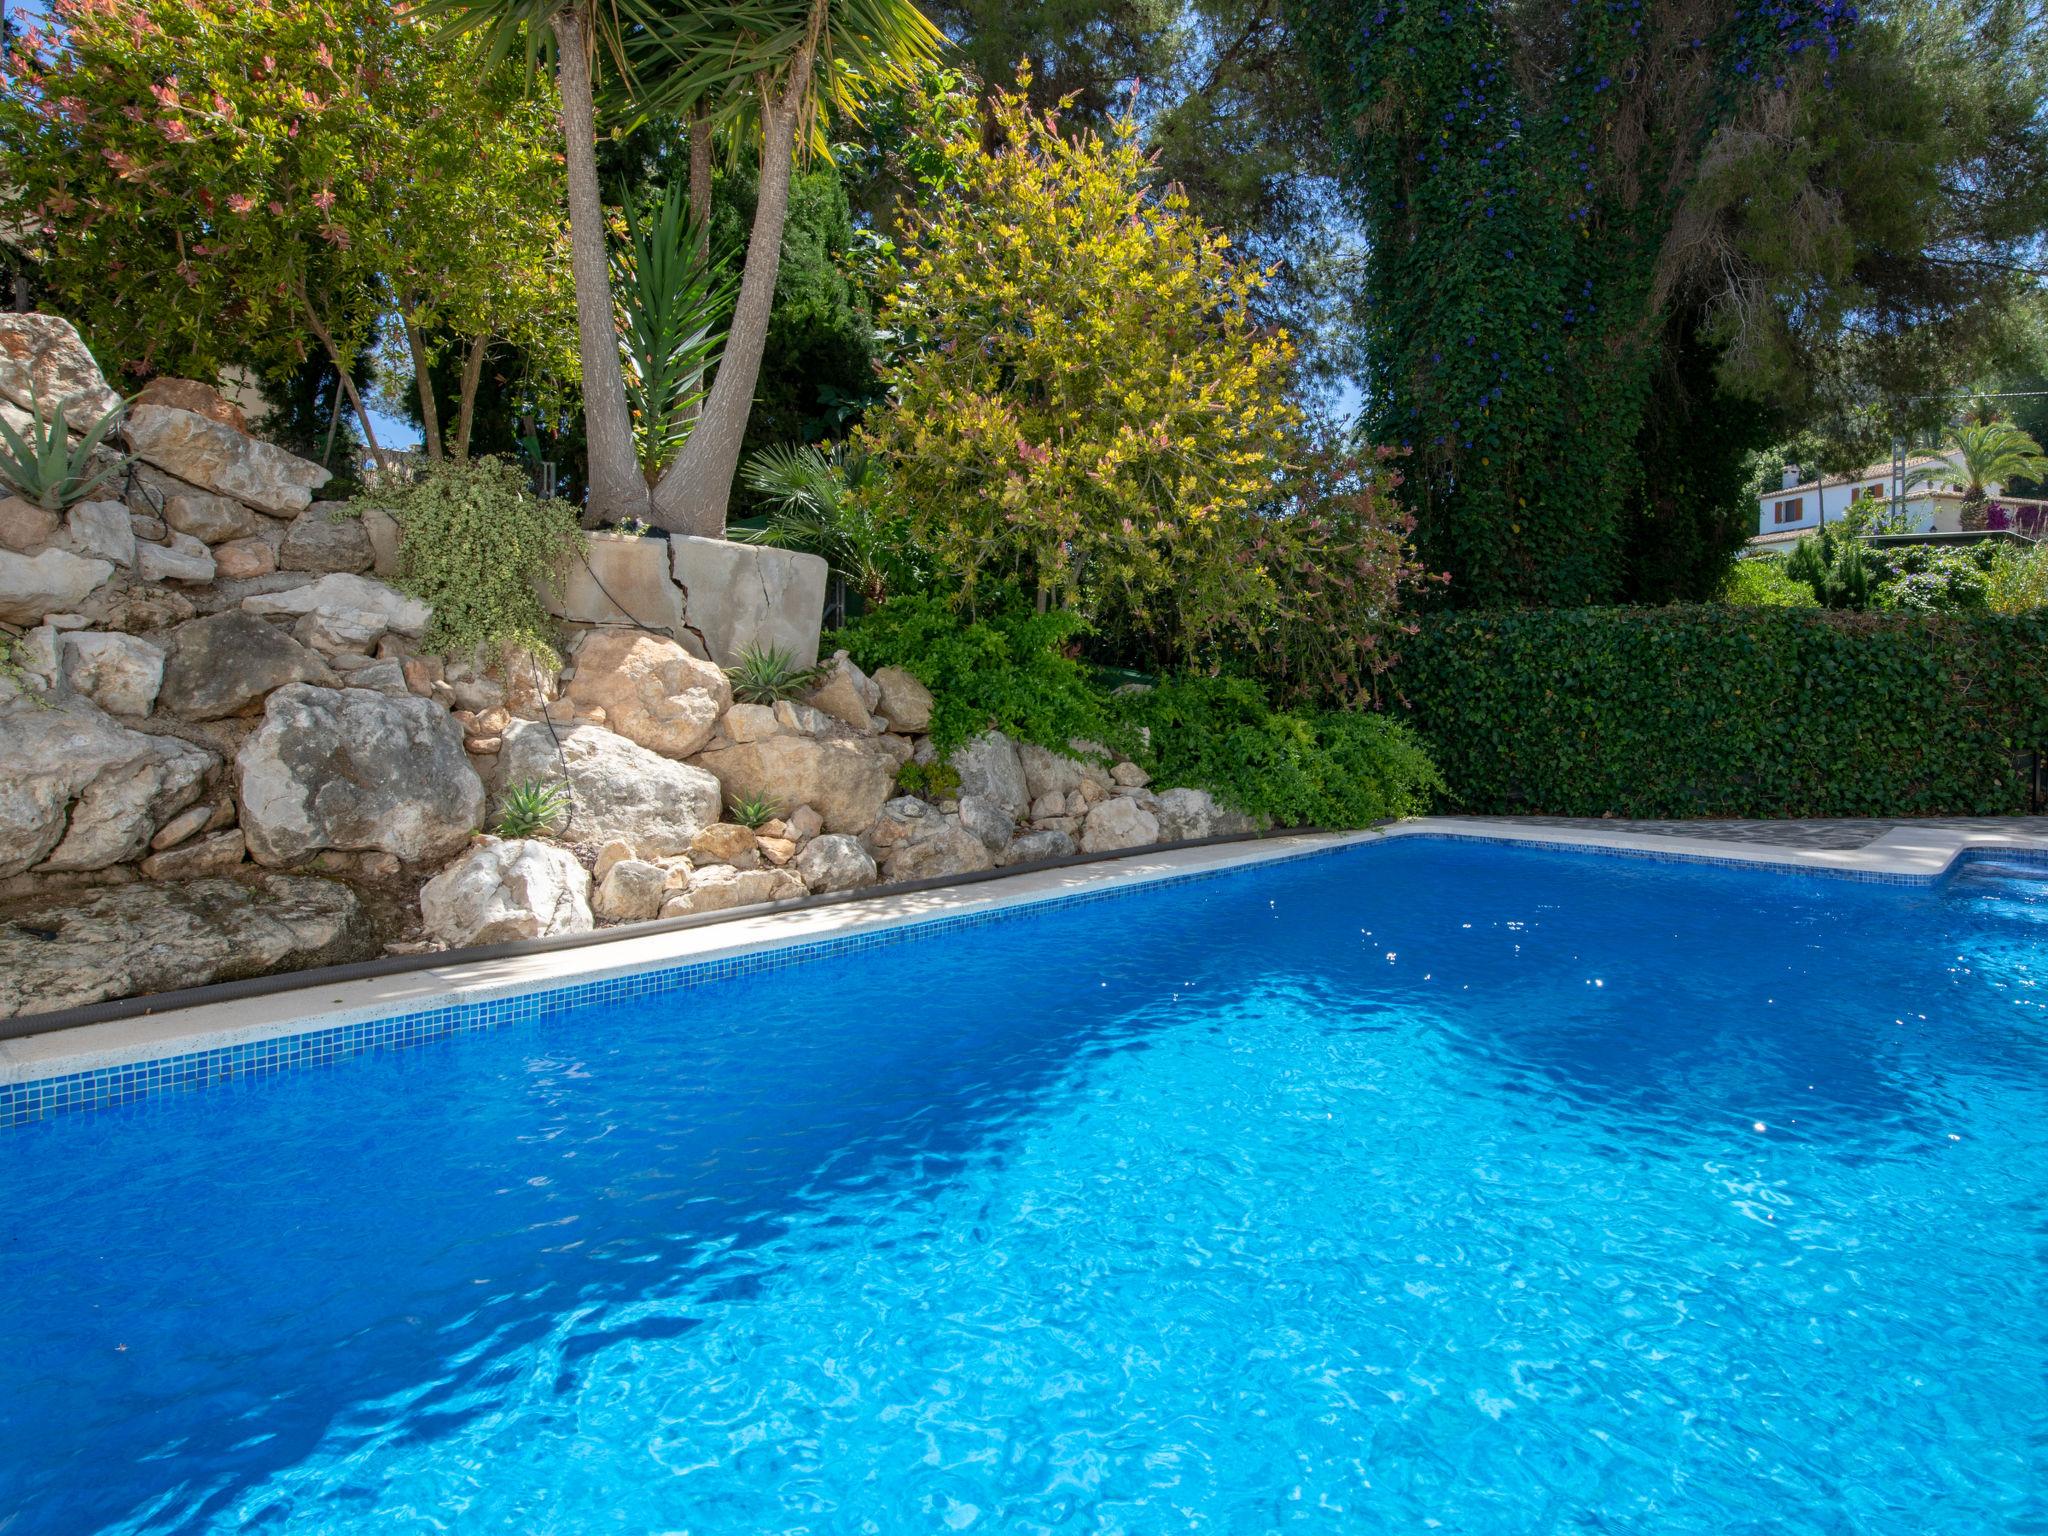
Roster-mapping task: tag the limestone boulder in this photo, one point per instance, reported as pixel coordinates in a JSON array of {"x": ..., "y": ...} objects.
[
  {"x": 630, "y": 891},
  {"x": 845, "y": 780},
  {"x": 120, "y": 673},
  {"x": 324, "y": 538},
  {"x": 621, "y": 791},
  {"x": 209, "y": 518},
  {"x": 244, "y": 559},
  {"x": 651, "y": 690},
  {"x": 215, "y": 457},
  {"x": 847, "y": 694},
  {"x": 503, "y": 889},
  {"x": 835, "y": 862},
  {"x": 228, "y": 663},
  {"x": 914, "y": 841},
  {"x": 1186, "y": 813},
  {"x": 348, "y": 603},
  {"x": 121, "y": 941},
  {"x": 725, "y": 842},
  {"x": 53, "y": 581},
  {"x": 81, "y": 791},
  {"x": 101, "y": 530},
  {"x": 44, "y": 365},
  {"x": 904, "y": 702},
  {"x": 1118, "y": 823},
  {"x": 24, "y": 526},
  {"x": 215, "y": 855},
  {"x": 750, "y": 597},
  {"x": 183, "y": 558},
  {"x": 352, "y": 769},
  {"x": 989, "y": 766},
  {"x": 1043, "y": 843},
  {"x": 191, "y": 395},
  {"x": 988, "y": 821},
  {"x": 1053, "y": 773}
]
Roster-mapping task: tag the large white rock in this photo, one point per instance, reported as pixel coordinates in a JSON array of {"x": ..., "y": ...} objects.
[
  {"x": 347, "y": 602},
  {"x": 835, "y": 862},
  {"x": 67, "y": 951},
  {"x": 55, "y": 581},
  {"x": 120, "y": 673},
  {"x": 1118, "y": 823},
  {"x": 43, "y": 360},
  {"x": 620, "y": 789},
  {"x": 617, "y": 579},
  {"x": 651, "y": 690},
  {"x": 325, "y": 538},
  {"x": 845, "y": 779},
  {"x": 504, "y": 889},
  {"x": 905, "y": 702},
  {"x": 1051, "y": 773},
  {"x": 214, "y": 456},
  {"x": 847, "y": 694},
  {"x": 631, "y": 891},
  {"x": 989, "y": 766},
  {"x": 101, "y": 530},
  {"x": 913, "y": 841},
  {"x": 79, "y": 790},
  {"x": 988, "y": 821},
  {"x": 183, "y": 558},
  {"x": 349, "y": 768},
  {"x": 750, "y": 597},
  {"x": 1186, "y": 813}
]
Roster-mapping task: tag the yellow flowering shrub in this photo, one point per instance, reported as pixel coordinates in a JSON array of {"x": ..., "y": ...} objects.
[{"x": 1085, "y": 402}]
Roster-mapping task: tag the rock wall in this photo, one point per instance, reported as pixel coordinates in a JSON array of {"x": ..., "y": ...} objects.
[{"x": 223, "y": 750}]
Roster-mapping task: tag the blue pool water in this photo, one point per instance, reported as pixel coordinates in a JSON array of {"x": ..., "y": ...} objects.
[{"x": 1426, "y": 1186}]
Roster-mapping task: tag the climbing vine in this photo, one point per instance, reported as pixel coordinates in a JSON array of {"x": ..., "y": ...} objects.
[{"x": 1519, "y": 169}]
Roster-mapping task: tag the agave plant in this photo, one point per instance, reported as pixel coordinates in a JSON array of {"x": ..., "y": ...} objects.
[
  {"x": 533, "y": 809},
  {"x": 44, "y": 466},
  {"x": 754, "y": 812},
  {"x": 766, "y": 675},
  {"x": 673, "y": 305}
]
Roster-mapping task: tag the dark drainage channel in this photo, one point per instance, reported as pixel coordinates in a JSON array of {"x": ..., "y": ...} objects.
[{"x": 402, "y": 965}]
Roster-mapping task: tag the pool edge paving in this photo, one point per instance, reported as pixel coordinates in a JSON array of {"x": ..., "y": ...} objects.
[{"x": 102, "y": 1065}]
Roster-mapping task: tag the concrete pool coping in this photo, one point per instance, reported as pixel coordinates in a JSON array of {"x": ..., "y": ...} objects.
[{"x": 1905, "y": 855}]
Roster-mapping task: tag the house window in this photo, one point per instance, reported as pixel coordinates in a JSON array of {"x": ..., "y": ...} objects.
[
  {"x": 1790, "y": 510},
  {"x": 1873, "y": 490}
]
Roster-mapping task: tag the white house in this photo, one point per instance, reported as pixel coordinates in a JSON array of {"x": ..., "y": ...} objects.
[{"x": 1799, "y": 505}]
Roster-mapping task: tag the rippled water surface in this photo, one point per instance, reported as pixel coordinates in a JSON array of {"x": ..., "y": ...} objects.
[{"x": 1424, "y": 1186}]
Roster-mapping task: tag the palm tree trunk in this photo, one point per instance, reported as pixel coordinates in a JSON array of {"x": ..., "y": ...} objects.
[
  {"x": 616, "y": 487},
  {"x": 693, "y": 495}
]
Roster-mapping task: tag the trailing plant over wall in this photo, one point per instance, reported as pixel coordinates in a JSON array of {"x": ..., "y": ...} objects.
[
  {"x": 1520, "y": 169},
  {"x": 477, "y": 544},
  {"x": 1718, "y": 711}
]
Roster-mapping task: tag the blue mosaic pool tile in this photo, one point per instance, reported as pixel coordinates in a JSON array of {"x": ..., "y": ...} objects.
[{"x": 130, "y": 1082}]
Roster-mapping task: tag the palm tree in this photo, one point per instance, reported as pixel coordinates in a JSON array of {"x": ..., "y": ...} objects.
[
  {"x": 780, "y": 62},
  {"x": 779, "y": 66},
  {"x": 1980, "y": 456}
]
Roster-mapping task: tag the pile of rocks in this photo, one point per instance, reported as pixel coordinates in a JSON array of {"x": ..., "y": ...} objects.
[{"x": 223, "y": 751}]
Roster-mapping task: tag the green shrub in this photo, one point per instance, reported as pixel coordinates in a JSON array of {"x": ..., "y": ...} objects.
[
  {"x": 1718, "y": 711},
  {"x": 1835, "y": 566},
  {"x": 2016, "y": 580},
  {"x": 928, "y": 781},
  {"x": 1008, "y": 669},
  {"x": 476, "y": 543},
  {"x": 1764, "y": 584},
  {"x": 1333, "y": 768}
]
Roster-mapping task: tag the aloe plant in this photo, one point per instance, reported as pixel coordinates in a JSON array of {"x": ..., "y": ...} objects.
[
  {"x": 42, "y": 465},
  {"x": 754, "y": 813},
  {"x": 766, "y": 675},
  {"x": 532, "y": 809}
]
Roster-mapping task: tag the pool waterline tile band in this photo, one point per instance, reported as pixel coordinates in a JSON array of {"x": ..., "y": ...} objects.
[{"x": 105, "y": 1065}]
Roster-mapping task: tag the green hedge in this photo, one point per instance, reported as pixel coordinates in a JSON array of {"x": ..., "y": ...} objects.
[{"x": 1720, "y": 711}]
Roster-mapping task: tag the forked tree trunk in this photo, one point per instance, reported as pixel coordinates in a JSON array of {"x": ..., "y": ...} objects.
[
  {"x": 348, "y": 385},
  {"x": 617, "y": 489},
  {"x": 472, "y": 375},
  {"x": 692, "y": 496}
]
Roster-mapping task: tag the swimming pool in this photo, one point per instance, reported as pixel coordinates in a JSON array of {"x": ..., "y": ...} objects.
[{"x": 1424, "y": 1184}]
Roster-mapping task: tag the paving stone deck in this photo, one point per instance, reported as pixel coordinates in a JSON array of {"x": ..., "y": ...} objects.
[{"x": 1835, "y": 834}]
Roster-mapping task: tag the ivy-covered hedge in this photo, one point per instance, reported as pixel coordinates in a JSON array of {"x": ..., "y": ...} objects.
[{"x": 1720, "y": 711}]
